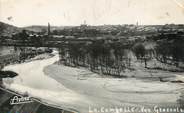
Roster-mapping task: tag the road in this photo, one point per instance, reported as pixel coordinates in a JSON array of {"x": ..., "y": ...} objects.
[{"x": 79, "y": 90}]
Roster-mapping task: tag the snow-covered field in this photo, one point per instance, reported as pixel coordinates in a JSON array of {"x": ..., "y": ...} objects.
[{"x": 79, "y": 89}]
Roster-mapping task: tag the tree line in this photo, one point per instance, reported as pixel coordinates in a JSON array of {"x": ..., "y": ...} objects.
[
  {"x": 108, "y": 58},
  {"x": 112, "y": 58}
]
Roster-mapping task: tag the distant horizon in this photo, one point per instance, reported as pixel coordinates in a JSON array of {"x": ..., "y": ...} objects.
[{"x": 89, "y": 25}]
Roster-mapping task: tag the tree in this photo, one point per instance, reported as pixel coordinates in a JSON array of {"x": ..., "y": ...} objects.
[{"x": 140, "y": 52}]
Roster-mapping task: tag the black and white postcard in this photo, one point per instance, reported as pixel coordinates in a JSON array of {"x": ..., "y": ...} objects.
[{"x": 91, "y": 56}]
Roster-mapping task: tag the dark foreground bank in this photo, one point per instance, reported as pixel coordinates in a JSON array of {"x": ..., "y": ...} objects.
[{"x": 33, "y": 107}]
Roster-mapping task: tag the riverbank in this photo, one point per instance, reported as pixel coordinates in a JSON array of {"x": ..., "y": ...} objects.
[{"x": 101, "y": 91}]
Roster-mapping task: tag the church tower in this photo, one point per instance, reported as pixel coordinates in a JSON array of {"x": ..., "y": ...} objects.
[{"x": 48, "y": 29}]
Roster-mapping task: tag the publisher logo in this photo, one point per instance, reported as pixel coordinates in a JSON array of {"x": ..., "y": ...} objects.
[{"x": 20, "y": 100}]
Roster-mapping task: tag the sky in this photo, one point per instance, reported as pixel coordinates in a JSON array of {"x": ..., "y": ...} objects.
[{"x": 95, "y": 12}]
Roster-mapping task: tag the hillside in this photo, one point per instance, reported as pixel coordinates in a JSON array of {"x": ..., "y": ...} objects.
[{"x": 7, "y": 30}]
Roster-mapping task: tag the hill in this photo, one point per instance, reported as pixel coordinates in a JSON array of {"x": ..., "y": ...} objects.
[{"x": 8, "y": 30}]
